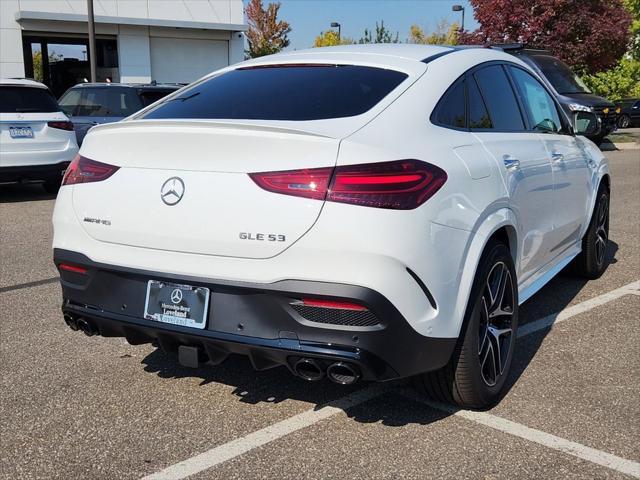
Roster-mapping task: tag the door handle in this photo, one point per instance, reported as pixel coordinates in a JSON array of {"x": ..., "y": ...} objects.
[
  {"x": 557, "y": 157},
  {"x": 511, "y": 163}
]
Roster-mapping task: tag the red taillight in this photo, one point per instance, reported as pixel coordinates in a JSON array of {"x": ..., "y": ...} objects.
[
  {"x": 72, "y": 268},
  {"x": 400, "y": 185},
  {"x": 313, "y": 302},
  {"x": 61, "y": 125},
  {"x": 83, "y": 170},
  {"x": 308, "y": 183}
]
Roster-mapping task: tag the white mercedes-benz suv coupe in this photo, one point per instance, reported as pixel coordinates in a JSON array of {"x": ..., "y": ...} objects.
[
  {"x": 37, "y": 140},
  {"x": 358, "y": 212}
]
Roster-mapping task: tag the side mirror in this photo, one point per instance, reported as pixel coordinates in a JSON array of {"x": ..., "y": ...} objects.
[{"x": 586, "y": 123}]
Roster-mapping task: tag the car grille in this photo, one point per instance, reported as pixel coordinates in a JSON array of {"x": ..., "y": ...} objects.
[{"x": 337, "y": 316}]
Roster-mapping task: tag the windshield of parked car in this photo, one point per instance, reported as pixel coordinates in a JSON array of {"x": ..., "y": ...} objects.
[
  {"x": 18, "y": 99},
  {"x": 560, "y": 75},
  {"x": 283, "y": 92},
  {"x": 100, "y": 102}
]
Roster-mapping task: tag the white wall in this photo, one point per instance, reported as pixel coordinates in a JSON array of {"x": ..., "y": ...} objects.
[
  {"x": 134, "y": 58},
  {"x": 11, "y": 60},
  {"x": 176, "y": 60}
]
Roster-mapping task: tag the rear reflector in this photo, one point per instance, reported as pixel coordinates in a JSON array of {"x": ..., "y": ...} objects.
[
  {"x": 400, "y": 185},
  {"x": 61, "y": 125},
  {"x": 72, "y": 268},
  {"x": 314, "y": 302},
  {"x": 83, "y": 170}
]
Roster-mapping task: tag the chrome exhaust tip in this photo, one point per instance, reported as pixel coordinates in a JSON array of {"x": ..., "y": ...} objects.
[
  {"x": 308, "y": 369},
  {"x": 343, "y": 373}
]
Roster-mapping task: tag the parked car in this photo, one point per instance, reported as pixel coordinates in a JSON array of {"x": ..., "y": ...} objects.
[
  {"x": 90, "y": 104},
  {"x": 567, "y": 87},
  {"x": 355, "y": 212},
  {"x": 629, "y": 113},
  {"x": 37, "y": 141}
]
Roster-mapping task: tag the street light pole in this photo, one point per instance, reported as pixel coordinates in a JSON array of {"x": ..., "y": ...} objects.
[
  {"x": 92, "y": 41},
  {"x": 339, "y": 27},
  {"x": 459, "y": 8}
]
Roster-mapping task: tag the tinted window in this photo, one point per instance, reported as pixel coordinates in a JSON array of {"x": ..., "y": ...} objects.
[
  {"x": 478, "y": 115},
  {"x": 15, "y": 99},
  {"x": 560, "y": 75},
  {"x": 70, "y": 101},
  {"x": 150, "y": 96},
  {"x": 499, "y": 98},
  {"x": 293, "y": 92},
  {"x": 103, "y": 102},
  {"x": 541, "y": 109},
  {"x": 450, "y": 111}
]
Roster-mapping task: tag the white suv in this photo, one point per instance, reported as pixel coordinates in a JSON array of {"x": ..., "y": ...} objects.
[
  {"x": 358, "y": 212},
  {"x": 37, "y": 140}
]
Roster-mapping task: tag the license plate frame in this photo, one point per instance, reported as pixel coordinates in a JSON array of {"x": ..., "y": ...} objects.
[
  {"x": 177, "y": 304},
  {"x": 21, "y": 132}
]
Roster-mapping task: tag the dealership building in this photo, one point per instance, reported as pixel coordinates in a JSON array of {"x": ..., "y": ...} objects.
[{"x": 137, "y": 41}]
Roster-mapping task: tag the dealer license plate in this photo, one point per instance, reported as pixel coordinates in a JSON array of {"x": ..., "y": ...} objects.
[
  {"x": 20, "y": 132},
  {"x": 176, "y": 304}
]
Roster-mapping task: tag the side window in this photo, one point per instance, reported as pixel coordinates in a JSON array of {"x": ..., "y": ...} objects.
[
  {"x": 541, "y": 109},
  {"x": 478, "y": 114},
  {"x": 499, "y": 98},
  {"x": 450, "y": 111}
]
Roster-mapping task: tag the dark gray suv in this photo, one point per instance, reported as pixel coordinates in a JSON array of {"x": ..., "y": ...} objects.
[{"x": 89, "y": 104}]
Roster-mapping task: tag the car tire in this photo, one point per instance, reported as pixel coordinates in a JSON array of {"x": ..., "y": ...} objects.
[
  {"x": 624, "y": 121},
  {"x": 52, "y": 185},
  {"x": 477, "y": 371},
  {"x": 592, "y": 261}
]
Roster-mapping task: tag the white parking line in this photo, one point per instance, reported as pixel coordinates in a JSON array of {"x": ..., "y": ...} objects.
[
  {"x": 589, "y": 454},
  {"x": 567, "y": 313},
  {"x": 239, "y": 446}
]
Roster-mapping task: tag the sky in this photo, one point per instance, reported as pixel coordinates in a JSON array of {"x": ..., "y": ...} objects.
[{"x": 310, "y": 17}]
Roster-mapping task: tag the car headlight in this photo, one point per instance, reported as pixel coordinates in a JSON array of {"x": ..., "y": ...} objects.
[
  {"x": 605, "y": 110},
  {"x": 576, "y": 107},
  {"x": 618, "y": 110}
]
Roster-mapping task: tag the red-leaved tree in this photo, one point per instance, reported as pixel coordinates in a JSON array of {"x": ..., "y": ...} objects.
[{"x": 590, "y": 35}]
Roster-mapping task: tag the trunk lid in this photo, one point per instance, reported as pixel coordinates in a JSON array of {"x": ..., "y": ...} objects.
[
  {"x": 43, "y": 137},
  {"x": 210, "y": 206}
]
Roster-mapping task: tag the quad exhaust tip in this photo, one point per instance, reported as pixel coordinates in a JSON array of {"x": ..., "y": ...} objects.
[
  {"x": 71, "y": 322},
  {"x": 308, "y": 369},
  {"x": 342, "y": 373},
  {"x": 79, "y": 323}
]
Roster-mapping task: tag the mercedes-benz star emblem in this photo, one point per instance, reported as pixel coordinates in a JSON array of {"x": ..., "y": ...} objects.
[
  {"x": 176, "y": 295},
  {"x": 172, "y": 191}
]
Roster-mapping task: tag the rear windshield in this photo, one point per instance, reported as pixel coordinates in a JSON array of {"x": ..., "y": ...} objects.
[
  {"x": 100, "y": 102},
  {"x": 17, "y": 99},
  {"x": 150, "y": 96},
  {"x": 283, "y": 92}
]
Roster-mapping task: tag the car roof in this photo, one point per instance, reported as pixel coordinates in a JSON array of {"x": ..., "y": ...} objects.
[
  {"x": 25, "y": 82},
  {"x": 407, "y": 51},
  {"x": 146, "y": 86}
]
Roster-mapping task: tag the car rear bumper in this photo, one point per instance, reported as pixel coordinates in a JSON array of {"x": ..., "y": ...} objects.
[
  {"x": 257, "y": 320},
  {"x": 33, "y": 172}
]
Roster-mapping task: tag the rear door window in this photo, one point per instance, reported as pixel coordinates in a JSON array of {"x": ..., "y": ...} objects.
[
  {"x": 499, "y": 98},
  {"x": 19, "y": 99},
  {"x": 284, "y": 92}
]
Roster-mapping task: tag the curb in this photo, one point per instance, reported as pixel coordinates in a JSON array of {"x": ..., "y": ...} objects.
[{"x": 612, "y": 147}]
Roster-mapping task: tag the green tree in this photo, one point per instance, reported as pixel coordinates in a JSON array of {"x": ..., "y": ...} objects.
[
  {"x": 266, "y": 34},
  {"x": 37, "y": 65},
  {"x": 330, "y": 39},
  {"x": 634, "y": 8},
  {"x": 445, "y": 34},
  {"x": 382, "y": 35},
  {"x": 622, "y": 81}
]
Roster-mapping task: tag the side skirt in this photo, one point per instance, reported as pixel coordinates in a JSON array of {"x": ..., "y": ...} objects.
[{"x": 545, "y": 274}]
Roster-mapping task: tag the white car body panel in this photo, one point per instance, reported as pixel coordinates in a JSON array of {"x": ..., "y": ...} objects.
[{"x": 441, "y": 241}]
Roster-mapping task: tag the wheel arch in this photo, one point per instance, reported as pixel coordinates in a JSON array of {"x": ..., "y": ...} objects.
[{"x": 500, "y": 225}]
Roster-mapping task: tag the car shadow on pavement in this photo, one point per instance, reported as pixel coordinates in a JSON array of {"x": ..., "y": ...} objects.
[
  {"x": 31, "y": 192},
  {"x": 391, "y": 408}
]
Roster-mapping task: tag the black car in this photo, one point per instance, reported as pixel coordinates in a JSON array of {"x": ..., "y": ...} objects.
[
  {"x": 629, "y": 113},
  {"x": 89, "y": 104},
  {"x": 568, "y": 88}
]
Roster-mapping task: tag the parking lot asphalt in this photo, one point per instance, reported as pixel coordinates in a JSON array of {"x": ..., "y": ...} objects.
[{"x": 78, "y": 407}]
